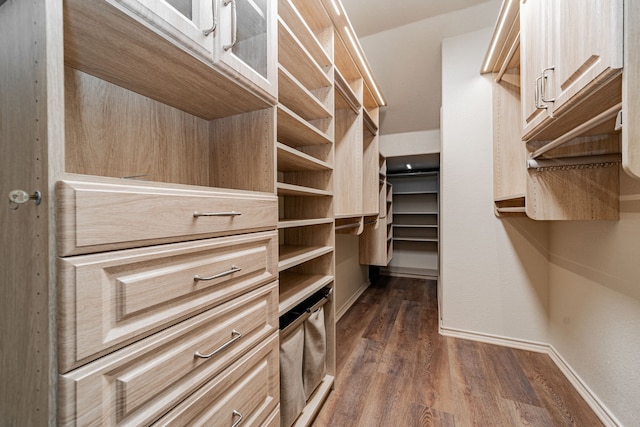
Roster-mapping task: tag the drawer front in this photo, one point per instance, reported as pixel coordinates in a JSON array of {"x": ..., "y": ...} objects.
[
  {"x": 139, "y": 383},
  {"x": 95, "y": 217},
  {"x": 109, "y": 300},
  {"x": 247, "y": 393}
]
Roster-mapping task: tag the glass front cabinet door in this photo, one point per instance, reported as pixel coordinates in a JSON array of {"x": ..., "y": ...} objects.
[
  {"x": 246, "y": 42},
  {"x": 237, "y": 36}
]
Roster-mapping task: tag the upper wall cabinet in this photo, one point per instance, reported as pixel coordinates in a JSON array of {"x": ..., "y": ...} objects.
[
  {"x": 246, "y": 41},
  {"x": 238, "y": 36},
  {"x": 569, "y": 49}
]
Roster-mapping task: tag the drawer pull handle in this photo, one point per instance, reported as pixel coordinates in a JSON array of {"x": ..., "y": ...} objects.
[
  {"x": 197, "y": 214},
  {"x": 236, "y": 336},
  {"x": 234, "y": 269},
  {"x": 239, "y": 420}
]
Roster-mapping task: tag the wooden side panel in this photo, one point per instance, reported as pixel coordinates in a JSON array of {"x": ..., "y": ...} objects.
[
  {"x": 509, "y": 169},
  {"x": 26, "y": 383},
  {"x": 348, "y": 164},
  {"x": 631, "y": 89},
  {"x": 111, "y": 131}
]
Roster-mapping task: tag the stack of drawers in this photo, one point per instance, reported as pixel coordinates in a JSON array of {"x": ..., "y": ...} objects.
[{"x": 167, "y": 317}]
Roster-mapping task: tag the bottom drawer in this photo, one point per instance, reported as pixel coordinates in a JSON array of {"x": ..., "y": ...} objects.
[{"x": 246, "y": 394}]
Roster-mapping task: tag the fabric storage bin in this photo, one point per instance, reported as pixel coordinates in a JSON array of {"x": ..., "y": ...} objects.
[
  {"x": 292, "y": 395},
  {"x": 315, "y": 349}
]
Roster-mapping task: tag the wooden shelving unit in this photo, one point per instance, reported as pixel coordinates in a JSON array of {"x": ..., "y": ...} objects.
[
  {"x": 376, "y": 241},
  {"x": 305, "y": 170},
  {"x": 416, "y": 222}
]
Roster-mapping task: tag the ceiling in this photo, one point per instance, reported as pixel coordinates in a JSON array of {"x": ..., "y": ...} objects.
[
  {"x": 373, "y": 16},
  {"x": 402, "y": 40}
]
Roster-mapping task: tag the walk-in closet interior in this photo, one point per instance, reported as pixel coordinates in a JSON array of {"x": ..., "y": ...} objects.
[{"x": 197, "y": 192}]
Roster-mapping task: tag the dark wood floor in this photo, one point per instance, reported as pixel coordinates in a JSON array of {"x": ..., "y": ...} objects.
[{"x": 394, "y": 369}]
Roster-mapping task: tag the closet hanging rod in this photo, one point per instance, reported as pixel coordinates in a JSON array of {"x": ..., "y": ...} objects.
[
  {"x": 517, "y": 209},
  {"x": 574, "y": 162},
  {"x": 507, "y": 60},
  {"x": 371, "y": 222},
  {"x": 353, "y": 225},
  {"x": 579, "y": 130},
  {"x": 304, "y": 315}
]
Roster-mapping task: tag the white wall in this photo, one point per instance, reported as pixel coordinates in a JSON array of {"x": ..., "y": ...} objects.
[
  {"x": 494, "y": 272},
  {"x": 572, "y": 284},
  {"x": 410, "y": 143},
  {"x": 406, "y": 64},
  {"x": 595, "y": 303}
]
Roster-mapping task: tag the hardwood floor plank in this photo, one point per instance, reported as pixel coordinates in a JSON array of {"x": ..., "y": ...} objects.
[
  {"x": 512, "y": 383},
  {"x": 394, "y": 369}
]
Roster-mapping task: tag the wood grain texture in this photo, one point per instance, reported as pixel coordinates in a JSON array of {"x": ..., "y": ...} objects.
[
  {"x": 29, "y": 134},
  {"x": 108, "y": 42},
  {"x": 138, "y": 384},
  {"x": 95, "y": 216},
  {"x": 348, "y": 163},
  {"x": 393, "y": 368},
  {"x": 109, "y": 300},
  {"x": 509, "y": 165},
  {"x": 631, "y": 89},
  {"x": 111, "y": 131}
]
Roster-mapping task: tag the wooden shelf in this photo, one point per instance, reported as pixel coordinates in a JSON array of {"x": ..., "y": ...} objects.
[
  {"x": 292, "y": 223},
  {"x": 416, "y": 213},
  {"x": 294, "y": 131},
  {"x": 414, "y": 239},
  {"x": 345, "y": 96},
  {"x": 296, "y": 25},
  {"x": 296, "y": 287},
  {"x": 416, "y": 226},
  {"x": 298, "y": 190},
  {"x": 298, "y": 98},
  {"x": 292, "y": 160},
  {"x": 294, "y": 56},
  {"x": 409, "y": 193},
  {"x": 291, "y": 255},
  {"x": 369, "y": 123}
]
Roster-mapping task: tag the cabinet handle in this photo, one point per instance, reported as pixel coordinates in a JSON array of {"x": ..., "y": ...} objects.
[
  {"x": 234, "y": 269},
  {"x": 234, "y": 24},
  {"x": 537, "y": 94},
  {"x": 543, "y": 85},
  {"x": 215, "y": 20},
  {"x": 235, "y": 337},
  {"x": 239, "y": 420},
  {"x": 197, "y": 214}
]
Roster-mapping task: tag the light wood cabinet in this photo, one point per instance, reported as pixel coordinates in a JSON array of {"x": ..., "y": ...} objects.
[
  {"x": 238, "y": 36},
  {"x": 570, "y": 53},
  {"x": 186, "y": 185},
  {"x": 140, "y": 383},
  {"x": 376, "y": 240},
  {"x": 535, "y": 48},
  {"x": 562, "y": 65}
]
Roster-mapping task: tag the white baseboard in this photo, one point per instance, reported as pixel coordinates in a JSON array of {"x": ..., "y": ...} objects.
[
  {"x": 607, "y": 418},
  {"x": 342, "y": 310}
]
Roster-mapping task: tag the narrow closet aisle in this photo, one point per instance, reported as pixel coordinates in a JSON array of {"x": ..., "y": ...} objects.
[{"x": 393, "y": 368}]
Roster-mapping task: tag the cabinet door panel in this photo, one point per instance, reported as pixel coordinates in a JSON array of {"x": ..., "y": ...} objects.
[
  {"x": 588, "y": 44},
  {"x": 534, "y": 48},
  {"x": 246, "y": 42}
]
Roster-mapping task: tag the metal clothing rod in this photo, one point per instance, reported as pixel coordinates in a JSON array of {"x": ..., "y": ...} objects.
[
  {"x": 560, "y": 162},
  {"x": 342, "y": 227},
  {"x": 512, "y": 210},
  {"x": 579, "y": 130}
]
